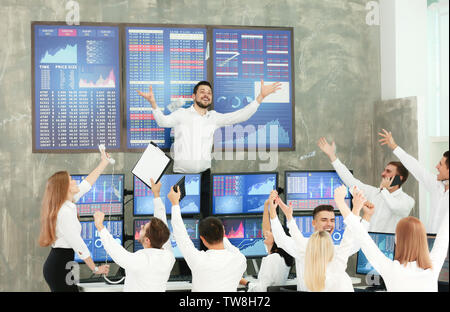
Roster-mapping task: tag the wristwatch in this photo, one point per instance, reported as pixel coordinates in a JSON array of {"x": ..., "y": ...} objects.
[{"x": 95, "y": 269}]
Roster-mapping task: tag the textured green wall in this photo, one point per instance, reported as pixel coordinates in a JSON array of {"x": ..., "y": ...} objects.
[{"x": 337, "y": 83}]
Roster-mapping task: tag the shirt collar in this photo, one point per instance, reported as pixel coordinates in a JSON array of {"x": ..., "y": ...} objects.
[
  {"x": 397, "y": 192},
  {"x": 70, "y": 204},
  {"x": 192, "y": 109}
]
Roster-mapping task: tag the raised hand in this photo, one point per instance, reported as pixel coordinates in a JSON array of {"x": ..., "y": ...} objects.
[
  {"x": 156, "y": 187},
  {"x": 99, "y": 217},
  {"x": 149, "y": 96},
  {"x": 358, "y": 201},
  {"x": 287, "y": 210},
  {"x": 386, "y": 182},
  {"x": 329, "y": 150},
  {"x": 368, "y": 210},
  {"x": 267, "y": 90},
  {"x": 339, "y": 198},
  {"x": 387, "y": 139},
  {"x": 174, "y": 197}
]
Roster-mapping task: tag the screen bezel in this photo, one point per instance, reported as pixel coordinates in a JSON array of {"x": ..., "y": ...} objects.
[
  {"x": 242, "y": 217},
  {"x": 358, "y": 254},
  {"x": 211, "y": 192},
  {"x": 169, "y": 211},
  {"x": 123, "y": 194},
  {"x": 306, "y": 171}
]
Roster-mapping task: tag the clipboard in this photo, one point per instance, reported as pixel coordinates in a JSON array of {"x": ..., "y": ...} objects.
[{"x": 152, "y": 164}]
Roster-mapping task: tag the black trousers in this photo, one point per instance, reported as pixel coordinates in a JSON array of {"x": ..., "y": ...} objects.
[
  {"x": 205, "y": 193},
  {"x": 58, "y": 278}
]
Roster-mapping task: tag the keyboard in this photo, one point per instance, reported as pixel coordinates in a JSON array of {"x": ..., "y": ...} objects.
[{"x": 180, "y": 278}]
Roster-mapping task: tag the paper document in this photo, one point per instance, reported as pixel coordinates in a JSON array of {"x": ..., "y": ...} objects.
[{"x": 152, "y": 164}]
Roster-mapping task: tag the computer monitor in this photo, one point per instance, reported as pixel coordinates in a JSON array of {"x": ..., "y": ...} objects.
[
  {"x": 105, "y": 195},
  {"x": 93, "y": 242},
  {"x": 241, "y": 193},
  {"x": 307, "y": 189},
  {"x": 304, "y": 224},
  {"x": 190, "y": 204},
  {"x": 246, "y": 234},
  {"x": 191, "y": 227},
  {"x": 443, "y": 276},
  {"x": 385, "y": 242}
]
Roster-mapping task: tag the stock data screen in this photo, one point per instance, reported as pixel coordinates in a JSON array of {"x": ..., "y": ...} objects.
[
  {"x": 305, "y": 190},
  {"x": 241, "y": 58},
  {"x": 172, "y": 61},
  {"x": 76, "y": 87},
  {"x": 385, "y": 242},
  {"x": 246, "y": 234},
  {"x": 304, "y": 224},
  {"x": 92, "y": 239},
  {"x": 191, "y": 228},
  {"x": 190, "y": 204},
  {"x": 106, "y": 195},
  {"x": 242, "y": 193}
]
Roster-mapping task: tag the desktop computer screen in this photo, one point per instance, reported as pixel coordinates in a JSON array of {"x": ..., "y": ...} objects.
[
  {"x": 92, "y": 239},
  {"x": 105, "y": 195},
  {"x": 246, "y": 234},
  {"x": 191, "y": 227},
  {"x": 385, "y": 242},
  {"x": 190, "y": 204},
  {"x": 241, "y": 193},
  {"x": 305, "y": 190},
  {"x": 443, "y": 276},
  {"x": 304, "y": 224}
]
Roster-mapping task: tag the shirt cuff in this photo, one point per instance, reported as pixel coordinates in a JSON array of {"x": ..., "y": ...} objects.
[
  {"x": 291, "y": 223},
  {"x": 351, "y": 220},
  {"x": 336, "y": 162},
  {"x": 398, "y": 150}
]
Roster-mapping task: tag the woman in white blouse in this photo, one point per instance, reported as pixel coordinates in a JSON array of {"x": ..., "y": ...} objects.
[
  {"x": 414, "y": 268},
  {"x": 324, "y": 265},
  {"x": 61, "y": 229},
  {"x": 275, "y": 267}
]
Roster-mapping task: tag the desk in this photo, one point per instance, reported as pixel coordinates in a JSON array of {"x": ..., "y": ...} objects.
[{"x": 173, "y": 286}]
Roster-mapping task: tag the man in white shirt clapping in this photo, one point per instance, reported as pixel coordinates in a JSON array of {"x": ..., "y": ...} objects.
[
  {"x": 220, "y": 268},
  {"x": 392, "y": 203},
  {"x": 147, "y": 269}
]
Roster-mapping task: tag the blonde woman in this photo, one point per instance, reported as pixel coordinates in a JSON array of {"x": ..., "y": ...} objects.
[
  {"x": 414, "y": 268},
  {"x": 61, "y": 229},
  {"x": 324, "y": 264}
]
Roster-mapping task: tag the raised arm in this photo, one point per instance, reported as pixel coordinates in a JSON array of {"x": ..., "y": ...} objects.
[
  {"x": 281, "y": 239},
  {"x": 345, "y": 174},
  {"x": 165, "y": 121},
  {"x": 440, "y": 247},
  {"x": 160, "y": 209},
  {"x": 379, "y": 261},
  {"x": 245, "y": 113},
  {"x": 124, "y": 258},
  {"x": 414, "y": 167},
  {"x": 184, "y": 242},
  {"x": 93, "y": 176},
  {"x": 300, "y": 240}
]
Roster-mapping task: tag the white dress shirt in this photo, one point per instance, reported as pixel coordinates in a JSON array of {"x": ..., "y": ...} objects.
[
  {"x": 389, "y": 207},
  {"x": 194, "y": 134},
  {"x": 212, "y": 270},
  {"x": 295, "y": 245},
  {"x": 439, "y": 196},
  {"x": 396, "y": 276},
  {"x": 273, "y": 271},
  {"x": 147, "y": 269},
  {"x": 68, "y": 227}
]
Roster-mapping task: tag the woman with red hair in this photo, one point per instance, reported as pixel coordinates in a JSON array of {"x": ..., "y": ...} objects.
[
  {"x": 61, "y": 229},
  {"x": 414, "y": 268}
]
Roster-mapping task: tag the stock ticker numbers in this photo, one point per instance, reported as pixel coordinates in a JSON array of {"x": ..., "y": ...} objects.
[
  {"x": 77, "y": 87},
  {"x": 172, "y": 61}
]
